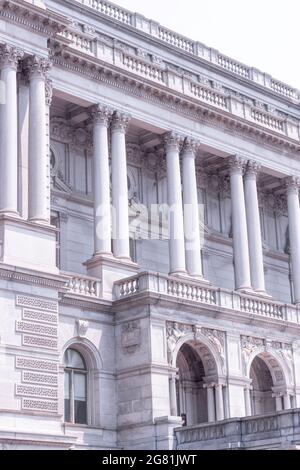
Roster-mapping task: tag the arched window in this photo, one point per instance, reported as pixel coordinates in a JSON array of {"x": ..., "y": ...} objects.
[{"x": 75, "y": 387}]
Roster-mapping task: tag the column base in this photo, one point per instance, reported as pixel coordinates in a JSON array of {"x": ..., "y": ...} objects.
[
  {"x": 27, "y": 245},
  {"x": 262, "y": 293},
  {"x": 191, "y": 277},
  {"x": 109, "y": 269}
]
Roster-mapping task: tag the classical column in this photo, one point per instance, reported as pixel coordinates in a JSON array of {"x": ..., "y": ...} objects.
[
  {"x": 9, "y": 58},
  {"x": 247, "y": 402},
  {"x": 176, "y": 228},
  {"x": 219, "y": 402},
  {"x": 38, "y": 204},
  {"x": 254, "y": 229},
  {"x": 173, "y": 399},
  {"x": 211, "y": 403},
  {"x": 191, "y": 210},
  {"x": 287, "y": 401},
  {"x": 293, "y": 184},
  {"x": 278, "y": 398},
  {"x": 120, "y": 186},
  {"x": 101, "y": 181},
  {"x": 239, "y": 225}
]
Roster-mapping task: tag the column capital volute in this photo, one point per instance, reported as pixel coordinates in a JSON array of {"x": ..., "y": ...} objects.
[
  {"x": 236, "y": 165},
  {"x": 253, "y": 169},
  {"x": 190, "y": 147},
  {"x": 10, "y": 56},
  {"x": 292, "y": 184},
  {"x": 101, "y": 114},
  {"x": 120, "y": 121},
  {"x": 37, "y": 66},
  {"x": 172, "y": 141}
]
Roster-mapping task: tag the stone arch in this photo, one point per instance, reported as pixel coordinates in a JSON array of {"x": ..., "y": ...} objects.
[
  {"x": 280, "y": 373},
  {"x": 88, "y": 350},
  {"x": 198, "y": 356},
  {"x": 94, "y": 365},
  {"x": 212, "y": 359}
]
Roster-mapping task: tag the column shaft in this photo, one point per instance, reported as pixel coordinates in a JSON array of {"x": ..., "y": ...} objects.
[
  {"x": 254, "y": 228},
  {"x": 294, "y": 232},
  {"x": 176, "y": 228},
  {"x": 219, "y": 403},
  {"x": 287, "y": 401},
  {"x": 191, "y": 211},
  {"x": 38, "y": 210},
  {"x": 211, "y": 405},
  {"x": 173, "y": 398},
  {"x": 101, "y": 181},
  {"x": 278, "y": 403},
  {"x": 120, "y": 187},
  {"x": 247, "y": 402},
  {"x": 9, "y": 57},
  {"x": 239, "y": 225}
]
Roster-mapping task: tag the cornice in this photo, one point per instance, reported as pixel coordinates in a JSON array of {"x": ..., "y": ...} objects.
[
  {"x": 191, "y": 50},
  {"x": 129, "y": 83},
  {"x": 29, "y": 277},
  {"x": 46, "y": 22},
  {"x": 98, "y": 305}
]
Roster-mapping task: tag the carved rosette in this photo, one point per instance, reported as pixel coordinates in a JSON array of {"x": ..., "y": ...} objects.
[
  {"x": 190, "y": 147},
  {"x": 172, "y": 142},
  {"x": 236, "y": 165},
  {"x": 101, "y": 114},
  {"x": 253, "y": 169},
  {"x": 38, "y": 66},
  {"x": 120, "y": 121},
  {"x": 10, "y": 56},
  {"x": 292, "y": 184}
]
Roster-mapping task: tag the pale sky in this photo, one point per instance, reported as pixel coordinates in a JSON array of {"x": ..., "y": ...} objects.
[{"x": 260, "y": 33}]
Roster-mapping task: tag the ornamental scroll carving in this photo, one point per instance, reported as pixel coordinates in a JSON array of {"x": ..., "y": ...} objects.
[
  {"x": 175, "y": 331},
  {"x": 249, "y": 344}
]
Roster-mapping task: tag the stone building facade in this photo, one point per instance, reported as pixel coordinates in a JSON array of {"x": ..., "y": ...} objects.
[{"x": 150, "y": 237}]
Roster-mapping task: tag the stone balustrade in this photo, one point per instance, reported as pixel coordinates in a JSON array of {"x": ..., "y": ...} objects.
[
  {"x": 192, "y": 47},
  {"x": 84, "y": 286},
  {"x": 194, "y": 291},
  {"x": 279, "y": 430}
]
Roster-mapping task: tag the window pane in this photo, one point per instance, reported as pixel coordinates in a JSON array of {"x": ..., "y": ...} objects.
[
  {"x": 79, "y": 386},
  {"x": 67, "y": 397},
  {"x": 80, "y": 412},
  {"x": 80, "y": 408},
  {"x": 74, "y": 360}
]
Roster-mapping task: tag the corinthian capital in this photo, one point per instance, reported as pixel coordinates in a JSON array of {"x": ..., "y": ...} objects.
[
  {"x": 172, "y": 141},
  {"x": 101, "y": 114},
  {"x": 236, "y": 165},
  {"x": 292, "y": 184},
  {"x": 10, "y": 56},
  {"x": 190, "y": 146},
  {"x": 120, "y": 121},
  {"x": 253, "y": 169},
  {"x": 38, "y": 66}
]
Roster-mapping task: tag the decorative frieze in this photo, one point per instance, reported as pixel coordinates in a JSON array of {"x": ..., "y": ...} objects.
[
  {"x": 40, "y": 378},
  {"x": 61, "y": 131},
  {"x": 36, "y": 364},
  {"x": 36, "y": 328},
  {"x": 37, "y": 303},
  {"x": 36, "y": 341},
  {"x": 38, "y": 316},
  {"x": 36, "y": 391},
  {"x": 39, "y": 405}
]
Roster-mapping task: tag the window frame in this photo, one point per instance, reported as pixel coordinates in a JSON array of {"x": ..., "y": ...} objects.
[{"x": 71, "y": 371}]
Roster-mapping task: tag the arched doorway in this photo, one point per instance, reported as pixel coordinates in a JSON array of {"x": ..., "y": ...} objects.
[
  {"x": 200, "y": 396},
  {"x": 262, "y": 396}
]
